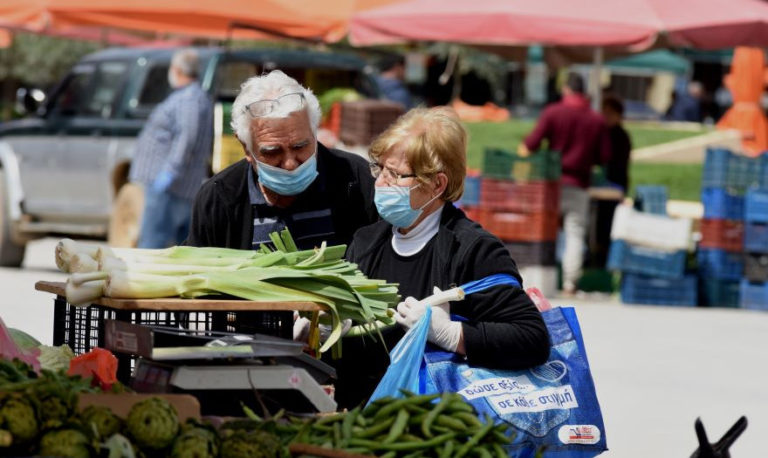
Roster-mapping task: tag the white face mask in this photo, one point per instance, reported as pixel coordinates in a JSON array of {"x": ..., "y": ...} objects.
[{"x": 172, "y": 80}]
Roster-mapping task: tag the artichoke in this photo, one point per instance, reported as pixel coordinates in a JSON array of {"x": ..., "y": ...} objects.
[
  {"x": 250, "y": 444},
  {"x": 153, "y": 423},
  {"x": 18, "y": 417},
  {"x": 55, "y": 411},
  {"x": 195, "y": 442},
  {"x": 101, "y": 419},
  {"x": 67, "y": 442}
]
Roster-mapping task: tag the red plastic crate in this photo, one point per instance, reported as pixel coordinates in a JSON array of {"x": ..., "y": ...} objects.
[
  {"x": 509, "y": 196},
  {"x": 723, "y": 234},
  {"x": 518, "y": 227}
]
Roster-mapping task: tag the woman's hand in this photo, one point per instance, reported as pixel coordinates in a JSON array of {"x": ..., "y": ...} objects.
[{"x": 443, "y": 332}]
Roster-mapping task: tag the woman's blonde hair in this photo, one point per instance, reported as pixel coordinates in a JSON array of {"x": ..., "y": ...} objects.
[{"x": 434, "y": 141}]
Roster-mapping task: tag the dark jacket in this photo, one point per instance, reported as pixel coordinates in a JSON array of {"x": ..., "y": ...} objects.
[
  {"x": 577, "y": 133},
  {"x": 505, "y": 330},
  {"x": 223, "y": 215}
]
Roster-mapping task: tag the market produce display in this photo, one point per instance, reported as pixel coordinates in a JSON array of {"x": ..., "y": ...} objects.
[{"x": 268, "y": 275}]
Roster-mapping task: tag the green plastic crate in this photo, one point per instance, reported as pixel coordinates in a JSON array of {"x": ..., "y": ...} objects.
[{"x": 539, "y": 166}]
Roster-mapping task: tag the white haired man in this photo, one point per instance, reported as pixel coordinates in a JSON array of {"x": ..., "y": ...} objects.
[
  {"x": 286, "y": 179},
  {"x": 172, "y": 154}
]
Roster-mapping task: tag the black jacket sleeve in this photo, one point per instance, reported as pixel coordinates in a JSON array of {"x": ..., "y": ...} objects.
[
  {"x": 505, "y": 330},
  {"x": 205, "y": 212}
]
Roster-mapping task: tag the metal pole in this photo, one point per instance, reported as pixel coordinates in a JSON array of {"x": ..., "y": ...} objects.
[{"x": 597, "y": 70}]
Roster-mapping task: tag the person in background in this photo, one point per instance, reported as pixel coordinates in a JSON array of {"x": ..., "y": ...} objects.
[
  {"x": 287, "y": 179},
  {"x": 424, "y": 241},
  {"x": 390, "y": 80},
  {"x": 617, "y": 167},
  {"x": 579, "y": 134},
  {"x": 687, "y": 106},
  {"x": 172, "y": 154}
]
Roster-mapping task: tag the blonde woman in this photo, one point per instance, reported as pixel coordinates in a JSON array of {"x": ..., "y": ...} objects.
[{"x": 423, "y": 242}]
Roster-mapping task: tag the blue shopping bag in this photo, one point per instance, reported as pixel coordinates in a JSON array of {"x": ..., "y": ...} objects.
[{"x": 552, "y": 407}]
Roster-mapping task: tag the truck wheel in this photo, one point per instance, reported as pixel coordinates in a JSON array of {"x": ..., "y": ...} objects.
[
  {"x": 11, "y": 253},
  {"x": 125, "y": 220}
]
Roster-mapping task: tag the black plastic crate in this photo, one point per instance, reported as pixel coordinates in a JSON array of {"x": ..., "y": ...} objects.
[
  {"x": 82, "y": 328},
  {"x": 756, "y": 267},
  {"x": 714, "y": 292},
  {"x": 532, "y": 253}
]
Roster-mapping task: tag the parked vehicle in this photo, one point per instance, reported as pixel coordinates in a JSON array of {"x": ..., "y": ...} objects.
[{"x": 64, "y": 170}]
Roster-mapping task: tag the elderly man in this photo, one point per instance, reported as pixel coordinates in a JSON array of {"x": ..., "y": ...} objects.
[
  {"x": 286, "y": 180},
  {"x": 172, "y": 155}
]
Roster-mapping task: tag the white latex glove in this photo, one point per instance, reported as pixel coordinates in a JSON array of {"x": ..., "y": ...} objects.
[{"x": 442, "y": 331}]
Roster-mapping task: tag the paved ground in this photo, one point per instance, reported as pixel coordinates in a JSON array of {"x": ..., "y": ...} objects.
[{"x": 656, "y": 368}]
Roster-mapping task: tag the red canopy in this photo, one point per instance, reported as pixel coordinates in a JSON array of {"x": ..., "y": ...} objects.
[{"x": 636, "y": 23}]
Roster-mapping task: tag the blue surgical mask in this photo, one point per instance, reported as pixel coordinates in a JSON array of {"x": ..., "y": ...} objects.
[
  {"x": 288, "y": 182},
  {"x": 394, "y": 205}
]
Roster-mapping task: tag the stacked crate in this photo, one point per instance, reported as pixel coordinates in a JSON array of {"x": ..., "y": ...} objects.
[
  {"x": 728, "y": 181},
  {"x": 650, "y": 251},
  {"x": 754, "y": 286},
  {"x": 518, "y": 200}
]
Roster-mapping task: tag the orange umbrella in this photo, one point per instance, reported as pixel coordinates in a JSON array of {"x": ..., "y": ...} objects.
[
  {"x": 746, "y": 82},
  {"x": 219, "y": 19}
]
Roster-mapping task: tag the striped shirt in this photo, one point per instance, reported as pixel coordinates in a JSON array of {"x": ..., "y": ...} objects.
[
  {"x": 176, "y": 139},
  {"x": 309, "y": 222}
]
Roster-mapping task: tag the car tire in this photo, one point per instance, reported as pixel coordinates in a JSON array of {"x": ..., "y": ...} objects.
[
  {"x": 11, "y": 253},
  {"x": 125, "y": 220}
]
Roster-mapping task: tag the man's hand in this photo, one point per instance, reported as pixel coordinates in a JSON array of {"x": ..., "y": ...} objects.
[
  {"x": 443, "y": 332},
  {"x": 523, "y": 150}
]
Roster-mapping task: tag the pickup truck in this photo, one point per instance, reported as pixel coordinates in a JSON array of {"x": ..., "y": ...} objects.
[{"x": 64, "y": 170}]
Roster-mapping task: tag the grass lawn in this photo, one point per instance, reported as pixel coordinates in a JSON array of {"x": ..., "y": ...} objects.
[{"x": 683, "y": 180}]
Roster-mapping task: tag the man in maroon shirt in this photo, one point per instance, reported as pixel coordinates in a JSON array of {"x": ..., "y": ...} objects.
[{"x": 580, "y": 135}]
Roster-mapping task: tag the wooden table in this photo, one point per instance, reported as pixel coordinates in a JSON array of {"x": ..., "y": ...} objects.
[{"x": 82, "y": 327}]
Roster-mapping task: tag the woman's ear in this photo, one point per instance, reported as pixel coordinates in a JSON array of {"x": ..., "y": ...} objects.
[{"x": 441, "y": 183}]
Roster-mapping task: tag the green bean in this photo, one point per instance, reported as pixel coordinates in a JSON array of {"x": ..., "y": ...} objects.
[
  {"x": 475, "y": 439},
  {"x": 391, "y": 454},
  {"x": 346, "y": 425},
  {"x": 450, "y": 422},
  {"x": 461, "y": 406},
  {"x": 432, "y": 415},
  {"x": 337, "y": 435},
  {"x": 330, "y": 419},
  {"x": 499, "y": 450},
  {"x": 402, "y": 446},
  {"x": 447, "y": 449},
  {"x": 398, "y": 426},
  {"x": 410, "y": 438},
  {"x": 501, "y": 437},
  {"x": 482, "y": 452},
  {"x": 377, "y": 428},
  {"x": 468, "y": 418}
]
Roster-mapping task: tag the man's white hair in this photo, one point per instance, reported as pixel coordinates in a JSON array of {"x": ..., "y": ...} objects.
[
  {"x": 187, "y": 61},
  {"x": 270, "y": 86}
]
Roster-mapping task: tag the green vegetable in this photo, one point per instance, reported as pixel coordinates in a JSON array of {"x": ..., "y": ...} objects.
[
  {"x": 250, "y": 444},
  {"x": 196, "y": 442},
  {"x": 67, "y": 442},
  {"x": 55, "y": 358},
  {"x": 18, "y": 417},
  {"x": 101, "y": 419},
  {"x": 152, "y": 423}
]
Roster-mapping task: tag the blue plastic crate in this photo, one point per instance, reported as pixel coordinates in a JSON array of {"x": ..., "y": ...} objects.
[
  {"x": 636, "y": 259},
  {"x": 642, "y": 289},
  {"x": 651, "y": 199},
  {"x": 715, "y": 169},
  {"x": 714, "y": 292},
  {"x": 756, "y": 206},
  {"x": 471, "y": 196},
  {"x": 754, "y": 296},
  {"x": 764, "y": 171},
  {"x": 720, "y": 204},
  {"x": 716, "y": 263},
  {"x": 743, "y": 173},
  {"x": 756, "y": 238}
]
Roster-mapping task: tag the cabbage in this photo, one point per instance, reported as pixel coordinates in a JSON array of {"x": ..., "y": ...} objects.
[
  {"x": 22, "y": 339},
  {"x": 55, "y": 358}
]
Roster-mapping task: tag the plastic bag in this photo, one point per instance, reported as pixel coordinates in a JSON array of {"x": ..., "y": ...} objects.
[
  {"x": 98, "y": 363},
  {"x": 553, "y": 406},
  {"x": 405, "y": 362}
]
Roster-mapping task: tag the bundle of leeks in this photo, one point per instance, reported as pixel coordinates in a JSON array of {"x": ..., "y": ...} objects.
[{"x": 265, "y": 275}]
